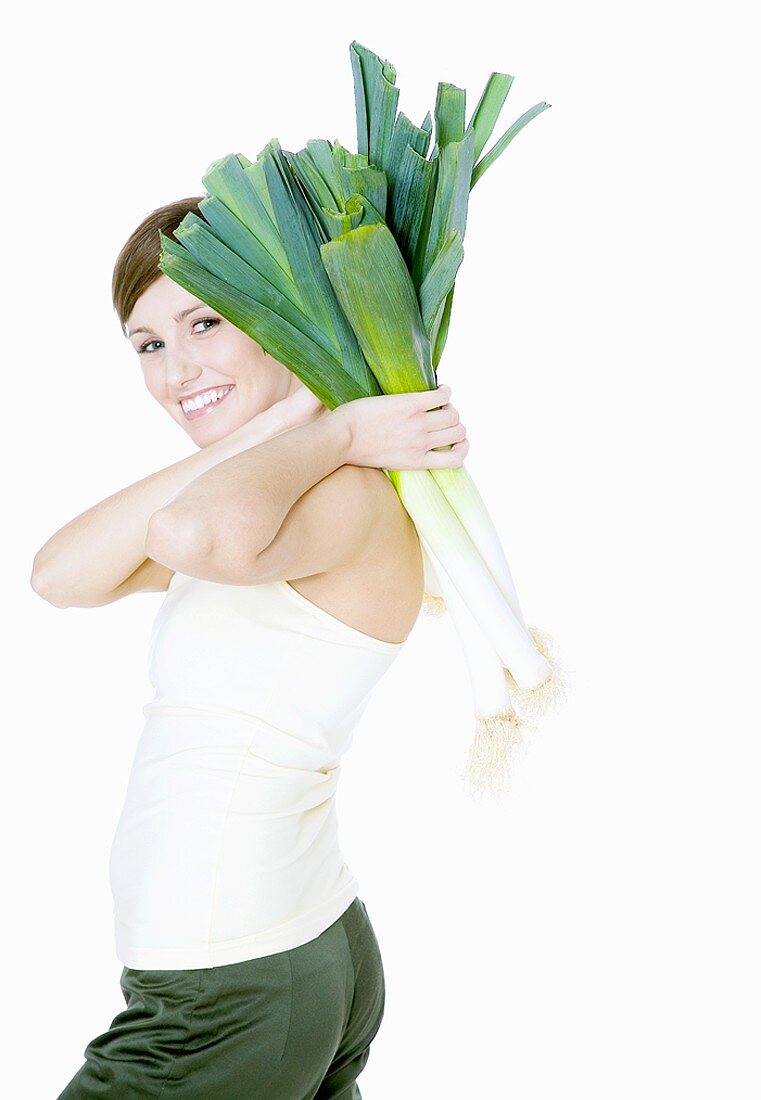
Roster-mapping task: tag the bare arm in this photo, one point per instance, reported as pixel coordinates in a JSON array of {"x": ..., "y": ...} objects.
[
  {"x": 217, "y": 527},
  {"x": 104, "y": 548},
  {"x": 269, "y": 508}
]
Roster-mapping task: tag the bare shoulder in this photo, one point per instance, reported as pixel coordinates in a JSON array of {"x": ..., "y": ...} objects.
[
  {"x": 380, "y": 592},
  {"x": 377, "y": 588}
]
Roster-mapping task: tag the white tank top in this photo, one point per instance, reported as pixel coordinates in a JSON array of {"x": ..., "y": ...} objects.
[{"x": 227, "y": 845}]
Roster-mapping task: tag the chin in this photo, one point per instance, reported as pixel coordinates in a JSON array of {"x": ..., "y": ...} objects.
[{"x": 203, "y": 435}]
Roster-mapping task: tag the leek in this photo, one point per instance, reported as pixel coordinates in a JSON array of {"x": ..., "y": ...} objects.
[
  {"x": 499, "y": 728},
  {"x": 385, "y": 315},
  {"x": 343, "y": 266}
]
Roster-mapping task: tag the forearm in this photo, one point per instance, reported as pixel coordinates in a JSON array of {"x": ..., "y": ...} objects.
[
  {"x": 231, "y": 513},
  {"x": 95, "y": 552}
]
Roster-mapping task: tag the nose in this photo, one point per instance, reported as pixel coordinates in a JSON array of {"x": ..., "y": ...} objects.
[{"x": 182, "y": 371}]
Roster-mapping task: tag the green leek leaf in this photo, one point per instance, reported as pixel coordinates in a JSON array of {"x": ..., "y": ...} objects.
[
  {"x": 505, "y": 140},
  {"x": 377, "y": 295},
  {"x": 408, "y": 204},
  {"x": 376, "y": 98},
  {"x": 439, "y": 281},
  {"x": 449, "y": 114},
  {"x": 487, "y": 112},
  {"x": 233, "y": 184},
  {"x": 242, "y": 241},
  {"x": 318, "y": 370},
  {"x": 223, "y": 263},
  {"x": 450, "y": 207}
]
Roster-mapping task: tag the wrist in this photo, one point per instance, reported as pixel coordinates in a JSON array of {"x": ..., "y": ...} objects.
[
  {"x": 265, "y": 425},
  {"x": 337, "y": 427}
]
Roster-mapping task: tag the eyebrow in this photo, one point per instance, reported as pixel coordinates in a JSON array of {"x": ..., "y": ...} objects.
[{"x": 177, "y": 317}]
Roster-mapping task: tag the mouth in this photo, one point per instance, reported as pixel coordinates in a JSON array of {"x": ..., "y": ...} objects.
[{"x": 215, "y": 399}]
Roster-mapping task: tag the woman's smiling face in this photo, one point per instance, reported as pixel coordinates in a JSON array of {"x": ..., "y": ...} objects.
[{"x": 186, "y": 348}]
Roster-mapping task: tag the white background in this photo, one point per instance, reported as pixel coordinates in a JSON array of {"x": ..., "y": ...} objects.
[{"x": 596, "y": 932}]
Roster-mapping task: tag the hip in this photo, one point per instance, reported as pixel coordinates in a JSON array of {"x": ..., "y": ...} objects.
[{"x": 265, "y": 1027}]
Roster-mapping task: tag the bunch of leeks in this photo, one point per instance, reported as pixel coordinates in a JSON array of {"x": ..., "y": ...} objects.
[{"x": 343, "y": 267}]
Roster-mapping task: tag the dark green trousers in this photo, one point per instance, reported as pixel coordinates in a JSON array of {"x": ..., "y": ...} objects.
[{"x": 292, "y": 1026}]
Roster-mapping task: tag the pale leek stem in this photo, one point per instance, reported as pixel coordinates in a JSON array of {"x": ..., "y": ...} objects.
[
  {"x": 466, "y": 501},
  {"x": 438, "y": 524},
  {"x": 464, "y": 498},
  {"x": 499, "y": 729}
]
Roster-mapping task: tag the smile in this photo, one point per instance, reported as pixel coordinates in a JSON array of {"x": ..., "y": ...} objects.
[{"x": 205, "y": 402}]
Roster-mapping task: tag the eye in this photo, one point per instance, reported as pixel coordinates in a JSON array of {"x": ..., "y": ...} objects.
[{"x": 143, "y": 349}]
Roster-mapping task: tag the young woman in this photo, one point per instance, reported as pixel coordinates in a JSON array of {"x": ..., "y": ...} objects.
[{"x": 293, "y": 576}]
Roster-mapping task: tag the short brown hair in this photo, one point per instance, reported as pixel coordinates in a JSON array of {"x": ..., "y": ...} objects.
[{"x": 137, "y": 265}]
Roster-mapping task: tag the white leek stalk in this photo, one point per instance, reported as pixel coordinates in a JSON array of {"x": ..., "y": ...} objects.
[
  {"x": 455, "y": 552},
  {"x": 433, "y": 596},
  {"x": 499, "y": 729},
  {"x": 491, "y": 639},
  {"x": 466, "y": 501}
]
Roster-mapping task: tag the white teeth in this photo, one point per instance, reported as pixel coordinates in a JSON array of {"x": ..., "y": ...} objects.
[{"x": 205, "y": 399}]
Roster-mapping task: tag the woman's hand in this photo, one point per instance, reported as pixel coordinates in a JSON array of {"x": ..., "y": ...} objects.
[
  {"x": 401, "y": 431},
  {"x": 300, "y": 408}
]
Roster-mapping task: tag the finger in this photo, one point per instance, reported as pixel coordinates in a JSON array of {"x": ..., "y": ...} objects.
[
  {"x": 454, "y": 433},
  {"x": 435, "y": 460},
  {"x": 445, "y": 417},
  {"x": 434, "y": 399},
  {"x": 459, "y": 450},
  {"x": 444, "y": 460}
]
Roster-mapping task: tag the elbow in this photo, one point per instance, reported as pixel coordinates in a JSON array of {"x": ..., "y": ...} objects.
[
  {"x": 180, "y": 543},
  {"x": 188, "y": 545},
  {"x": 44, "y": 585}
]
